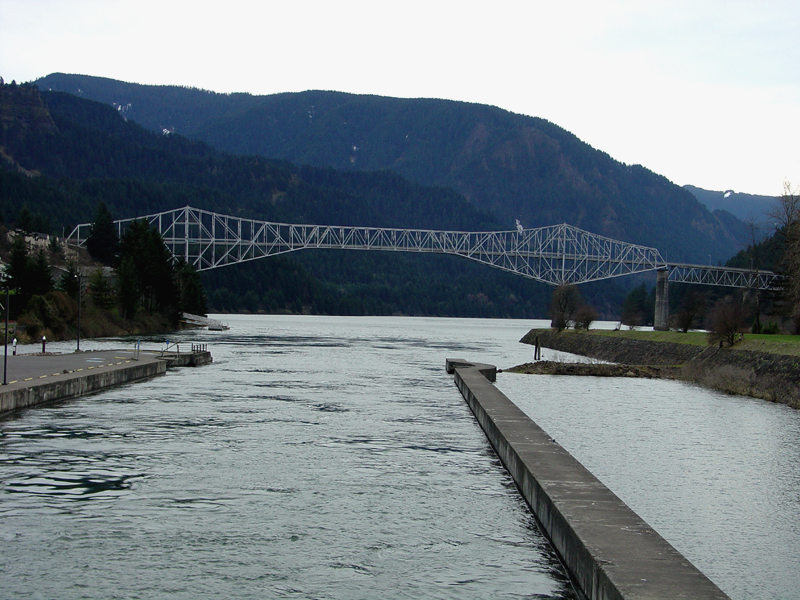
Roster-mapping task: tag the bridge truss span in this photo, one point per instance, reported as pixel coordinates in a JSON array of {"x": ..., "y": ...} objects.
[
  {"x": 722, "y": 276},
  {"x": 557, "y": 254}
]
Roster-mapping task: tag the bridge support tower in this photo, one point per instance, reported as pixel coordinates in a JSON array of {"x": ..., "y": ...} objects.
[{"x": 662, "y": 300}]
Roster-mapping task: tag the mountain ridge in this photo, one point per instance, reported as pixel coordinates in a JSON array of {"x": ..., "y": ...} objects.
[
  {"x": 515, "y": 166},
  {"x": 753, "y": 209},
  {"x": 93, "y": 155}
]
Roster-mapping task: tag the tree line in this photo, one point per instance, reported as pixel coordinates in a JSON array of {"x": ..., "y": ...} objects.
[{"x": 132, "y": 284}]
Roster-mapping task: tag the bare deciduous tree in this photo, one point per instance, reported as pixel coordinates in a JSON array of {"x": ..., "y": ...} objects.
[
  {"x": 787, "y": 222},
  {"x": 691, "y": 310},
  {"x": 725, "y": 322},
  {"x": 584, "y": 317},
  {"x": 566, "y": 301}
]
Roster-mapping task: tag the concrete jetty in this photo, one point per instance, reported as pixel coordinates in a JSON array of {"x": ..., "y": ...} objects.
[
  {"x": 36, "y": 379},
  {"x": 609, "y": 551}
]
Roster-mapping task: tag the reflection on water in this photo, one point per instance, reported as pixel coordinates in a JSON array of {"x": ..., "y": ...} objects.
[{"x": 316, "y": 458}]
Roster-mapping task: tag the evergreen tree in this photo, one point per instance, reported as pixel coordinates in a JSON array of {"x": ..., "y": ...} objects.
[
  {"x": 128, "y": 292},
  {"x": 190, "y": 287},
  {"x": 103, "y": 243},
  {"x": 25, "y": 220},
  {"x": 17, "y": 270},
  {"x": 161, "y": 275},
  {"x": 153, "y": 265},
  {"x": 69, "y": 281},
  {"x": 638, "y": 309},
  {"x": 41, "y": 281},
  {"x": 100, "y": 290},
  {"x": 54, "y": 247}
]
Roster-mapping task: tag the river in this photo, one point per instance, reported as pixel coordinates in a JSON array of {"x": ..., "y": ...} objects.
[
  {"x": 315, "y": 458},
  {"x": 332, "y": 457}
]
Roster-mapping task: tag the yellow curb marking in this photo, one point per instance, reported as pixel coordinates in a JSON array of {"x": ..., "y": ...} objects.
[
  {"x": 78, "y": 369},
  {"x": 27, "y": 379},
  {"x": 42, "y": 376}
]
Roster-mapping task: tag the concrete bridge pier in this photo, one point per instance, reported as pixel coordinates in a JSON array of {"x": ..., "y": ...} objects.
[{"x": 661, "y": 322}]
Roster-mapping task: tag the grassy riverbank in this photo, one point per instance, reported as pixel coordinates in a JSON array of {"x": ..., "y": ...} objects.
[
  {"x": 788, "y": 345},
  {"x": 761, "y": 366}
]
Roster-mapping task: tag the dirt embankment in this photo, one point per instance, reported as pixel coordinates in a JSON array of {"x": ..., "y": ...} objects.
[
  {"x": 612, "y": 349},
  {"x": 773, "y": 377}
]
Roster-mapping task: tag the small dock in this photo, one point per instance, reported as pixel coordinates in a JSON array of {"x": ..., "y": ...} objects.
[{"x": 37, "y": 379}]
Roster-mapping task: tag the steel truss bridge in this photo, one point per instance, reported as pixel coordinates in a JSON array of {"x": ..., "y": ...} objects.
[{"x": 558, "y": 254}]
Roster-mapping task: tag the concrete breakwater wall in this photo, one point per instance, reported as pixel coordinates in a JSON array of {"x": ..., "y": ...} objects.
[
  {"x": 41, "y": 379},
  {"x": 774, "y": 377},
  {"x": 74, "y": 385},
  {"x": 190, "y": 359},
  {"x": 610, "y": 553}
]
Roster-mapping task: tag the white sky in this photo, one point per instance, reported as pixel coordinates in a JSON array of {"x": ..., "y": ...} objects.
[{"x": 704, "y": 92}]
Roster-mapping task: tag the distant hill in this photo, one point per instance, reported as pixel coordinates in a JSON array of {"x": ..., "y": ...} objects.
[
  {"x": 745, "y": 207},
  {"x": 515, "y": 166}
]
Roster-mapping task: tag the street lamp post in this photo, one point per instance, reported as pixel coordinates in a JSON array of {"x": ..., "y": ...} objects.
[
  {"x": 79, "y": 311},
  {"x": 5, "y": 345}
]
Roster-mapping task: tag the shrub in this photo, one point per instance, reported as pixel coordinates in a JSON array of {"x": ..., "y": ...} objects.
[
  {"x": 585, "y": 316},
  {"x": 771, "y": 328},
  {"x": 53, "y": 312}
]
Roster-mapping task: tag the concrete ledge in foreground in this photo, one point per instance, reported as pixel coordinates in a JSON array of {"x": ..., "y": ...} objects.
[
  {"x": 609, "y": 551},
  {"x": 40, "y": 379}
]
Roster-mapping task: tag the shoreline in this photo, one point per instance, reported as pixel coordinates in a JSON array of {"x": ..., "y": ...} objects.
[
  {"x": 40, "y": 379},
  {"x": 758, "y": 374}
]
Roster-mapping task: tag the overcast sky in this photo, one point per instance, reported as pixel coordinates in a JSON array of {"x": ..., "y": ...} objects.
[{"x": 704, "y": 92}]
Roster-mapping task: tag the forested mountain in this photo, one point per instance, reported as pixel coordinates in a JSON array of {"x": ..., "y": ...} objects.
[
  {"x": 89, "y": 151},
  {"x": 752, "y": 209},
  {"x": 742, "y": 206},
  {"x": 63, "y": 155},
  {"x": 515, "y": 166}
]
